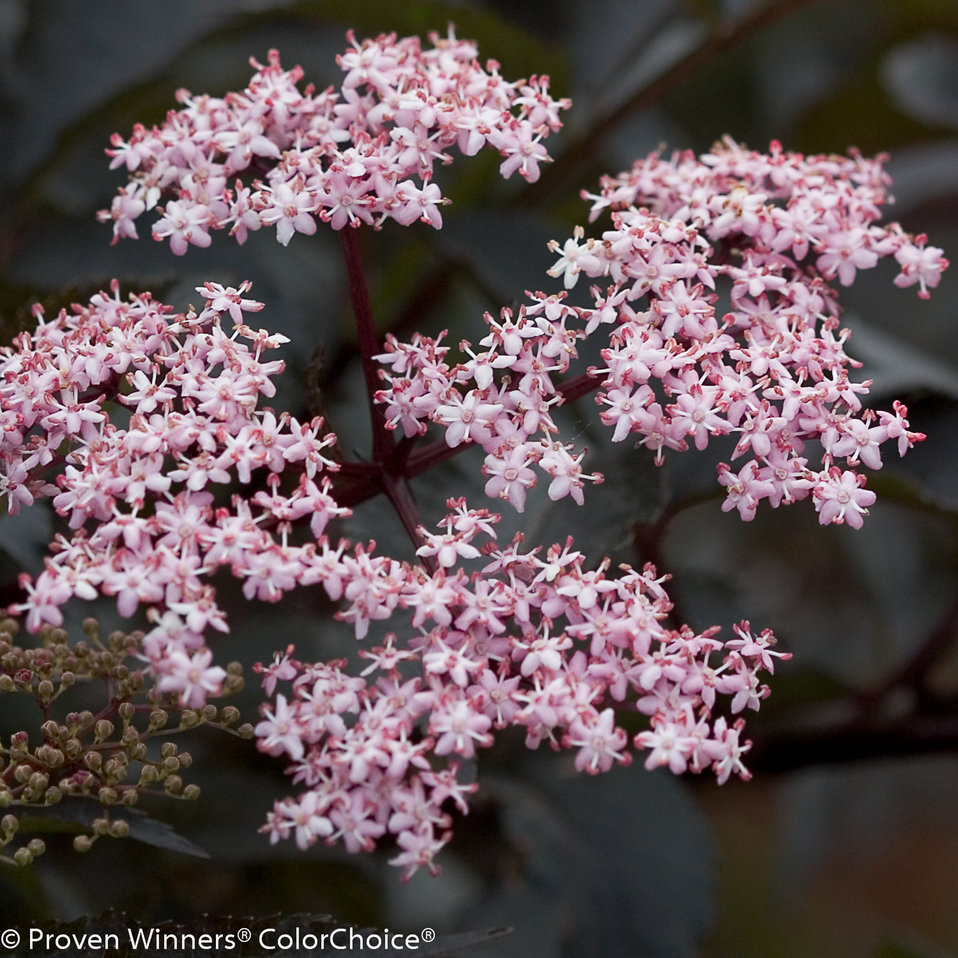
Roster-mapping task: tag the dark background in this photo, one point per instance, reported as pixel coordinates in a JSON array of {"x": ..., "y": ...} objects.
[{"x": 845, "y": 843}]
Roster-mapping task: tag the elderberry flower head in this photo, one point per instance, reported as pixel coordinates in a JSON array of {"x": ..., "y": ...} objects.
[
  {"x": 772, "y": 232},
  {"x": 464, "y": 636},
  {"x": 363, "y": 154}
]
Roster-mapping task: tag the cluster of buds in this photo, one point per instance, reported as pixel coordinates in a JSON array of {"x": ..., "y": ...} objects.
[{"x": 110, "y": 757}]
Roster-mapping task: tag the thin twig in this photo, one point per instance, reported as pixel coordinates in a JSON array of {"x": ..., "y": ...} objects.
[
  {"x": 400, "y": 495},
  {"x": 369, "y": 344},
  {"x": 913, "y": 672},
  {"x": 727, "y": 35},
  {"x": 843, "y": 744}
]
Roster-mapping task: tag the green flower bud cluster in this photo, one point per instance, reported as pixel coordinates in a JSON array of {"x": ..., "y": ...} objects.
[{"x": 111, "y": 755}]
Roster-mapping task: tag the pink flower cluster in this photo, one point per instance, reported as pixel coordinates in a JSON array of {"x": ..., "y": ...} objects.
[
  {"x": 143, "y": 417},
  {"x": 149, "y": 421},
  {"x": 499, "y": 398},
  {"x": 716, "y": 305},
  {"x": 770, "y": 233},
  {"x": 528, "y": 640},
  {"x": 360, "y": 155}
]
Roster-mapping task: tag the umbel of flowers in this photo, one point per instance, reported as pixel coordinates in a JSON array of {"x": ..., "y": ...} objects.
[
  {"x": 465, "y": 635},
  {"x": 362, "y": 154}
]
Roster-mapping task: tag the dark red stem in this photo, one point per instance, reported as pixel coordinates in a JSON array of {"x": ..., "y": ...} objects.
[
  {"x": 369, "y": 345},
  {"x": 387, "y": 471}
]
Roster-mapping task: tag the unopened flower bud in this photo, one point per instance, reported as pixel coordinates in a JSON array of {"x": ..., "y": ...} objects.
[
  {"x": 148, "y": 775},
  {"x": 158, "y": 720},
  {"x": 50, "y": 729},
  {"x": 189, "y": 719},
  {"x": 229, "y": 714},
  {"x": 38, "y": 782},
  {"x": 103, "y": 730},
  {"x": 82, "y": 843},
  {"x": 115, "y": 768},
  {"x": 50, "y": 756},
  {"x": 119, "y": 828}
]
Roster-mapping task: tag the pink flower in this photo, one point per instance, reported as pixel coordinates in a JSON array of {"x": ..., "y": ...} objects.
[
  {"x": 839, "y": 497},
  {"x": 191, "y": 677},
  {"x": 694, "y": 412},
  {"x": 224, "y": 299},
  {"x": 307, "y": 819},
  {"x": 745, "y": 490},
  {"x": 467, "y": 418},
  {"x": 858, "y": 442},
  {"x": 566, "y": 471},
  {"x": 124, "y": 210},
  {"x": 846, "y": 252},
  {"x": 353, "y": 825},
  {"x": 670, "y": 744},
  {"x": 278, "y": 732},
  {"x": 575, "y": 256},
  {"x": 419, "y": 849},
  {"x": 510, "y": 477},
  {"x": 290, "y": 210},
  {"x": 183, "y": 223},
  {"x": 459, "y": 727},
  {"x": 523, "y": 152},
  {"x": 920, "y": 264},
  {"x": 600, "y": 744}
]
